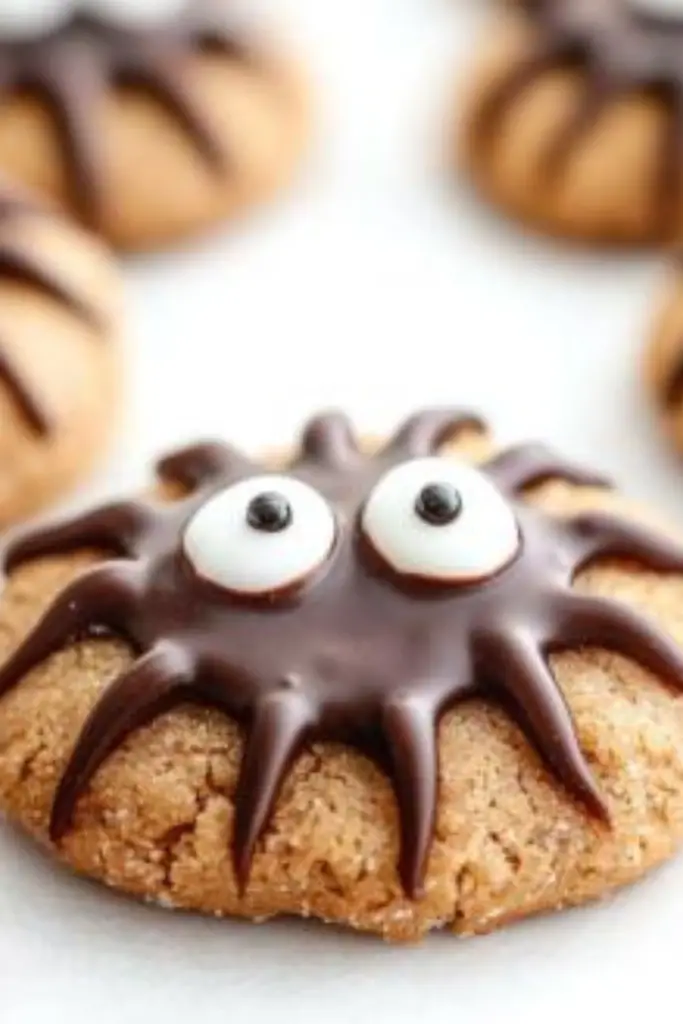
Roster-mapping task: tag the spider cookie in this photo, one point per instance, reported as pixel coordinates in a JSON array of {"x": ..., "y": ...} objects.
[
  {"x": 144, "y": 118},
  {"x": 59, "y": 359},
  {"x": 390, "y": 688},
  {"x": 575, "y": 119}
]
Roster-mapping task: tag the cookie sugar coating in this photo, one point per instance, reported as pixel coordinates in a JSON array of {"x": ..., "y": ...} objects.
[
  {"x": 419, "y": 751},
  {"x": 574, "y": 124},
  {"x": 59, "y": 353},
  {"x": 147, "y": 128}
]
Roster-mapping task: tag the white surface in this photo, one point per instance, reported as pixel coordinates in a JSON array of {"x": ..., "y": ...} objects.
[
  {"x": 376, "y": 285},
  {"x": 21, "y": 20},
  {"x": 131, "y": 12},
  {"x": 665, "y": 7},
  {"x": 28, "y": 19}
]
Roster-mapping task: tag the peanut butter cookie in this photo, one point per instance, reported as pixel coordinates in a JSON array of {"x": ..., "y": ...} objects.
[
  {"x": 574, "y": 122},
  {"x": 387, "y": 687},
  {"x": 59, "y": 353},
  {"x": 147, "y": 120}
]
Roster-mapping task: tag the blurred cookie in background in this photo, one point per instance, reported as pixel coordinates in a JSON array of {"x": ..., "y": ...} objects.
[
  {"x": 574, "y": 119},
  {"x": 663, "y": 360},
  {"x": 59, "y": 353},
  {"x": 147, "y": 119}
]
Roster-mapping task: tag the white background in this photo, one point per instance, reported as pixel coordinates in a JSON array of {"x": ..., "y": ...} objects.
[{"x": 377, "y": 284}]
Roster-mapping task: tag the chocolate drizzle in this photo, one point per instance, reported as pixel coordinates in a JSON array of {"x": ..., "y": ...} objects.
[
  {"x": 672, "y": 386},
  {"x": 72, "y": 68},
  {"x": 357, "y": 654},
  {"x": 618, "y": 49},
  {"x": 19, "y": 263}
]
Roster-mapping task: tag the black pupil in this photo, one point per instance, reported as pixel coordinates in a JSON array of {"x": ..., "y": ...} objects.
[
  {"x": 439, "y": 504},
  {"x": 269, "y": 512}
]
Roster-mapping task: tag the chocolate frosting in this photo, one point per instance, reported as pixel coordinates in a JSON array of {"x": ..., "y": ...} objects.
[
  {"x": 72, "y": 68},
  {"x": 19, "y": 263},
  {"x": 672, "y": 386},
  {"x": 618, "y": 49},
  {"x": 356, "y": 654}
]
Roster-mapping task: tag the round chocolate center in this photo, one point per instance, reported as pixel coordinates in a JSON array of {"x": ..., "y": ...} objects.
[
  {"x": 439, "y": 504},
  {"x": 269, "y": 512}
]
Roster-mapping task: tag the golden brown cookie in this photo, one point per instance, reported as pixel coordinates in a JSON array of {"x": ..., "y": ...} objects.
[
  {"x": 148, "y": 121},
  {"x": 381, "y": 687},
  {"x": 574, "y": 121},
  {"x": 663, "y": 360},
  {"x": 59, "y": 353}
]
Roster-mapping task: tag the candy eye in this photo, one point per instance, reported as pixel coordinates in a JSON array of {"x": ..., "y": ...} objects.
[
  {"x": 440, "y": 519},
  {"x": 29, "y": 19},
  {"x": 260, "y": 535},
  {"x": 133, "y": 13}
]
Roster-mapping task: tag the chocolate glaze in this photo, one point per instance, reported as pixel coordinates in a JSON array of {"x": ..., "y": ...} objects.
[
  {"x": 72, "y": 68},
  {"x": 672, "y": 387},
  {"x": 356, "y": 654},
  {"x": 18, "y": 263},
  {"x": 618, "y": 49}
]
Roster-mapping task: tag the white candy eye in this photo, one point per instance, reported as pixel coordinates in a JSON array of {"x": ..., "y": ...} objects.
[
  {"x": 260, "y": 535},
  {"x": 133, "y": 13},
  {"x": 30, "y": 19},
  {"x": 440, "y": 519}
]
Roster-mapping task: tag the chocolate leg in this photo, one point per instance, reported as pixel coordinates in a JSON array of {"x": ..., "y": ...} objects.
[
  {"x": 139, "y": 695},
  {"x": 527, "y": 465}
]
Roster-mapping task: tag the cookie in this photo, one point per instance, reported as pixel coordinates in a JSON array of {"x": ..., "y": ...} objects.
[
  {"x": 574, "y": 122},
  {"x": 383, "y": 686},
  {"x": 663, "y": 361},
  {"x": 59, "y": 353},
  {"x": 146, "y": 120}
]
